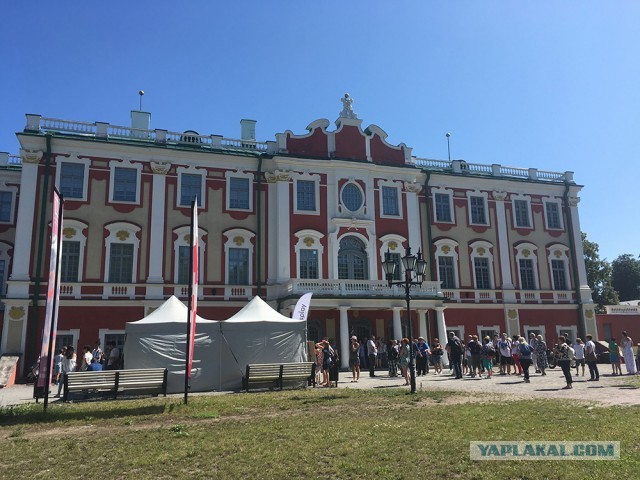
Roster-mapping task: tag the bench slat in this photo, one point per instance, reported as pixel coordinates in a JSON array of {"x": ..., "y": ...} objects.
[
  {"x": 278, "y": 373},
  {"x": 117, "y": 381}
]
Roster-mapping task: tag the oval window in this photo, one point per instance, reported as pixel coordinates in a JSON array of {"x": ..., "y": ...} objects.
[{"x": 352, "y": 197}]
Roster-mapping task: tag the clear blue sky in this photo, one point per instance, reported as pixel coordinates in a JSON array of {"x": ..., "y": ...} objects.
[{"x": 547, "y": 84}]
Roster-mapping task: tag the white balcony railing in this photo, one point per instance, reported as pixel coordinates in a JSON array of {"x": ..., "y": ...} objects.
[
  {"x": 357, "y": 287},
  {"x": 623, "y": 309}
]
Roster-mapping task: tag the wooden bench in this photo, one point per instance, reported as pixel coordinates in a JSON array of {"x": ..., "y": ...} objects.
[
  {"x": 151, "y": 381},
  {"x": 276, "y": 374}
]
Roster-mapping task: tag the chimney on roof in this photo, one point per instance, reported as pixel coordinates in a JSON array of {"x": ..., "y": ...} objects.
[
  {"x": 247, "y": 129},
  {"x": 140, "y": 120}
]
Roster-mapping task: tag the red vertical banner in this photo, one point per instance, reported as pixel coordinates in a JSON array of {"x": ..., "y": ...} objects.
[
  {"x": 53, "y": 295},
  {"x": 193, "y": 301}
]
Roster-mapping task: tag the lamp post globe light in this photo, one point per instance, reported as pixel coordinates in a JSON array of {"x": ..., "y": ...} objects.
[{"x": 414, "y": 270}]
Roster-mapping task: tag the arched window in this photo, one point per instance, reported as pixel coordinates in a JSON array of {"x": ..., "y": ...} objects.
[{"x": 352, "y": 259}]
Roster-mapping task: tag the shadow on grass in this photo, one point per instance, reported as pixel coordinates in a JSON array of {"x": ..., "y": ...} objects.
[{"x": 30, "y": 414}]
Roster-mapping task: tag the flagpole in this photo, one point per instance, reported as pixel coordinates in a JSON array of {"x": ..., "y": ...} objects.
[{"x": 187, "y": 366}]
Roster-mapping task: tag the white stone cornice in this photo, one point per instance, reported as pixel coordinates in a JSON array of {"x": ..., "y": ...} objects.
[
  {"x": 161, "y": 168},
  {"x": 31, "y": 156}
]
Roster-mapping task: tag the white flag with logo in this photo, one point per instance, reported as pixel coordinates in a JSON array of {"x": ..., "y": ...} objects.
[{"x": 302, "y": 307}]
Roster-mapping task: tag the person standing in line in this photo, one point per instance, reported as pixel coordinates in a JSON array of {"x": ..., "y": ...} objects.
[
  {"x": 354, "y": 361},
  {"x": 504, "y": 346},
  {"x": 578, "y": 347},
  {"x": 487, "y": 355},
  {"x": 422, "y": 357},
  {"x": 94, "y": 366},
  {"x": 627, "y": 352},
  {"x": 475, "y": 349},
  {"x": 68, "y": 365},
  {"x": 393, "y": 354},
  {"x": 57, "y": 364},
  {"x": 97, "y": 352},
  {"x": 515, "y": 354},
  {"x": 382, "y": 354},
  {"x": 534, "y": 355},
  {"x": 86, "y": 358},
  {"x": 372, "y": 351},
  {"x": 405, "y": 359},
  {"x": 563, "y": 357},
  {"x": 436, "y": 355},
  {"x": 591, "y": 359},
  {"x": 541, "y": 354},
  {"x": 524, "y": 354},
  {"x": 113, "y": 361},
  {"x": 455, "y": 351},
  {"x": 614, "y": 357}
]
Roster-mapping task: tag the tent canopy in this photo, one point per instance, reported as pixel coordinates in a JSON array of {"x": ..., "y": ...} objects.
[
  {"x": 171, "y": 311},
  {"x": 257, "y": 310}
]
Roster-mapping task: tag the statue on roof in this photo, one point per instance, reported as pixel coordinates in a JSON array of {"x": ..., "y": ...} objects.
[{"x": 347, "y": 110}]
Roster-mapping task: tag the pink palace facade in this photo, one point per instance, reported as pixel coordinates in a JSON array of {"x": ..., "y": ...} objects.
[{"x": 310, "y": 212}]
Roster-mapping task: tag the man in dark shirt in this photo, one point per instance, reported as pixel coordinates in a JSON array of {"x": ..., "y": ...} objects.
[{"x": 454, "y": 349}]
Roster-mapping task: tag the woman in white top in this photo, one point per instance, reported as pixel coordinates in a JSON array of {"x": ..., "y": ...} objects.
[
  {"x": 578, "y": 347},
  {"x": 627, "y": 353}
]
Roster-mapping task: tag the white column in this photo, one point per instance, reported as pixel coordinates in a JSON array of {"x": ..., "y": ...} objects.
[
  {"x": 442, "y": 333},
  {"x": 422, "y": 325},
  {"x": 413, "y": 216},
  {"x": 585, "y": 291},
  {"x": 157, "y": 237},
  {"x": 18, "y": 286},
  {"x": 344, "y": 338},
  {"x": 283, "y": 247},
  {"x": 397, "y": 323},
  {"x": 504, "y": 249}
]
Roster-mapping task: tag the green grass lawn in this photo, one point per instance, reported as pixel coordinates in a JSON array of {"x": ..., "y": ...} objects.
[{"x": 317, "y": 433}]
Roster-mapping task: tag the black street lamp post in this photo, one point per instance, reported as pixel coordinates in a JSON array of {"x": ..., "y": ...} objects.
[{"x": 414, "y": 267}]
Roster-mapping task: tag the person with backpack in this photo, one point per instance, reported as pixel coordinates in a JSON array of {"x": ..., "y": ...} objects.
[
  {"x": 524, "y": 353},
  {"x": 487, "y": 353},
  {"x": 436, "y": 355},
  {"x": 563, "y": 354}
]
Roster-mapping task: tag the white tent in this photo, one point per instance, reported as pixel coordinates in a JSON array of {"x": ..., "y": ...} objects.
[{"x": 256, "y": 334}]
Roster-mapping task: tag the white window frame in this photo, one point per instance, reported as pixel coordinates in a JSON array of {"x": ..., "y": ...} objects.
[
  {"x": 75, "y": 333},
  {"x": 482, "y": 249},
  {"x": 114, "y": 236},
  {"x": 443, "y": 191},
  {"x": 447, "y": 247},
  {"x": 125, "y": 163},
  {"x": 457, "y": 329},
  {"x": 73, "y": 231},
  {"x": 4, "y": 255},
  {"x": 191, "y": 170},
  {"x": 238, "y": 238},
  {"x": 309, "y": 240},
  {"x": 85, "y": 178},
  {"x": 558, "y": 202},
  {"x": 495, "y": 328},
  {"x": 102, "y": 333},
  {"x": 393, "y": 244},
  {"x": 183, "y": 239},
  {"x": 485, "y": 197},
  {"x": 238, "y": 174},
  {"x": 524, "y": 198},
  {"x": 397, "y": 185},
  {"x": 315, "y": 178},
  {"x": 542, "y": 329},
  {"x": 558, "y": 252},
  {"x": 563, "y": 328},
  {"x": 14, "y": 192},
  {"x": 528, "y": 251},
  {"x": 343, "y": 209}
]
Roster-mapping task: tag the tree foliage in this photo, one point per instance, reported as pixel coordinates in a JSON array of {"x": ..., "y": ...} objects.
[
  {"x": 599, "y": 275},
  {"x": 626, "y": 277}
]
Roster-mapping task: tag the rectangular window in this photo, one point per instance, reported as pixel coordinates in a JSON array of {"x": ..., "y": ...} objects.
[
  {"x": 306, "y": 195},
  {"x": 121, "y": 263},
  {"x": 190, "y": 188},
  {"x": 239, "y": 193},
  {"x": 238, "y": 266},
  {"x": 308, "y": 263},
  {"x": 521, "y": 208},
  {"x": 6, "y": 206},
  {"x": 483, "y": 279},
  {"x": 443, "y": 209},
  {"x": 527, "y": 276},
  {"x": 446, "y": 272},
  {"x": 3, "y": 285},
  {"x": 125, "y": 183},
  {"x": 184, "y": 264},
  {"x": 478, "y": 215},
  {"x": 390, "y": 201},
  {"x": 72, "y": 180},
  {"x": 395, "y": 258},
  {"x": 553, "y": 215},
  {"x": 63, "y": 340},
  {"x": 117, "y": 338},
  {"x": 70, "y": 261},
  {"x": 559, "y": 275}
]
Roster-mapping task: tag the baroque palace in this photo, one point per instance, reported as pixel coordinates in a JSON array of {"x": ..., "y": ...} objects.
[{"x": 312, "y": 212}]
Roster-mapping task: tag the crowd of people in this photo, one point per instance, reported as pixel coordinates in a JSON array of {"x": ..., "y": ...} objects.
[{"x": 478, "y": 357}]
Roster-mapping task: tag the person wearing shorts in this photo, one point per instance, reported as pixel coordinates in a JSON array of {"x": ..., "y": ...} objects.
[
  {"x": 506, "y": 360},
  {"x": 578, "y": 347}
]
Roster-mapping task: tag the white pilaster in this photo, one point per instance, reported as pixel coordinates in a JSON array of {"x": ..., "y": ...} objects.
[
  {"x": 442, "y": 333},
  {"x": 422, "y": 325},
  {"x": 157, "y": 237},
  {"x": 397, "y": 323},
  {"x": 585, "y": 291},
  {"x": 18, "y": 286},
  {"x": 344, "y": 337},
  {"x": 283, "y": 246},
  {"x": 504, "y": 249},
  {"x": 413, "y": 216}
]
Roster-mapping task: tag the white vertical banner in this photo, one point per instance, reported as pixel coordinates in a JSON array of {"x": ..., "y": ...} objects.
[
  {"x": 193, "y": 301},
  {"x": 301, "y": 310}
]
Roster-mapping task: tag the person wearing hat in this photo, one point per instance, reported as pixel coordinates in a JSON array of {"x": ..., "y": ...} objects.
[
  {"x": 354, "y": 361},
  {"x": 422, "y": 357}
]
